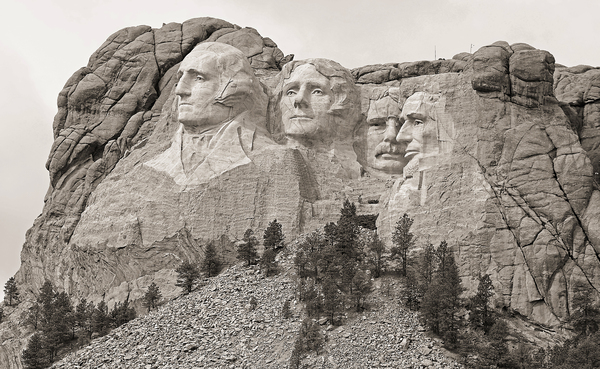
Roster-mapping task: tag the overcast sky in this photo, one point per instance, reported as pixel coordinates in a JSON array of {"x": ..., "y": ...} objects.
[{"x": 44, "y": 42}]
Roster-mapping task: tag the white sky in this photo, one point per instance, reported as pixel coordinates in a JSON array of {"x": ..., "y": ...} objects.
[{"x": 44, "y": 42}]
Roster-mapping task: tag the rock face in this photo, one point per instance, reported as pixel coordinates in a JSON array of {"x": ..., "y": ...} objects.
[{"x": 498, "y": 153}]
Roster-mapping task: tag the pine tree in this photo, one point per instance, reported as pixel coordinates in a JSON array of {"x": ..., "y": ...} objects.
[
  {"x": 362, "y": 286},
  {"x": 33, "y": 315},
  {"x": 57, "y": 320},
  {"x": 442, "y": 299},
  {"x": 187, "y": 276},
  {"x": 11, "y": 292},
  {"x": 309, "y": 256},
  {"x": 268, "y": 265},
  {"x": 427, "y": 265},
  {"x": 403, "y": 240},
  {"x": 45, "y": 301},
  {"x": 273, "y": 237},
  {"x": 332, "y": 299},
  {"x": 83, "y": 320},
  {"x": 376, "y": 249},
  {"x": 310, "y": 294},
  {"x": 152, "y": 297},
  {"x": 1, "y": 313},
  {"x": 348, "y": 211},
  {"x": 413, "y": 291},
  {"x": 100, "y": 319},
  {"x": 311, "y": 336},
  {"x": 34, "y": 356},
  {"x": 585, "y": 316},
  {"x": 345, "y": 233},
  {"x": 481, "y": 315},
  {"x": 121, "y": 313},
  {"x": 211, "y": 265},
  {"x": 247, "y": 249}
]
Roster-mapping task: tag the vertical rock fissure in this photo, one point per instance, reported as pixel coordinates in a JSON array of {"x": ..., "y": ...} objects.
[{"x": 498, "y": 202}]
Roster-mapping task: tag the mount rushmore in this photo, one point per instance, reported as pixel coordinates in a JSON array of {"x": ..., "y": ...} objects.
[{"x": 195, "y": 132}]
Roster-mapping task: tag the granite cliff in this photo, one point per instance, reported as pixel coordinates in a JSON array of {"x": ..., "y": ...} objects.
[{"x": 506, "y": 168}]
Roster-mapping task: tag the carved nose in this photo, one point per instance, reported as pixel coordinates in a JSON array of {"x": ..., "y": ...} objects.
[
  {"x": 300, "y": 100},
  {"x": 391, "y": 129},
  {"x": 183, "y": 87},
  {"x": 405, "y": 133}
]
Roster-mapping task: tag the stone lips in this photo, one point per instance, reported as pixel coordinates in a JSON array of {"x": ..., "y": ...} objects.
[{"x": 514, "y": 193}]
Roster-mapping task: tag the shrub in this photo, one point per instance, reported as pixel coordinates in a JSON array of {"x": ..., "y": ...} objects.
[
  {"x": 253, "y": 303},
  {"x": 286, "y": 312}
]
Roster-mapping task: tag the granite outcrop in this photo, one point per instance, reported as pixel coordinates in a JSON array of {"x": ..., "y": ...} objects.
[{"x": 496, "y": 152}]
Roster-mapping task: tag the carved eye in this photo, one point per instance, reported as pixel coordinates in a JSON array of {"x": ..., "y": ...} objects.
[
  {"x": 377, "y": 123},
  {"x": 199, "y": 78},
  {"x": 290, "y": 93},
  {"x": 418, "y": 122},
  {"x": 317, "y": 91}
]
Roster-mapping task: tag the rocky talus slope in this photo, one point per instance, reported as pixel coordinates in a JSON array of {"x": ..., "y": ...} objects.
[{"x": 215, "y": 327}]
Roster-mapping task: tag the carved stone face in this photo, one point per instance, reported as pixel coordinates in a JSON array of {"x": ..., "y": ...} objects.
[
  {"x": 385, "y": 152},
  {"x": 385, "y": 149},
  {"x": 415, "y": 117},
  {"x": 197, "y": 88},
  {"x": 305, "y": 103}
]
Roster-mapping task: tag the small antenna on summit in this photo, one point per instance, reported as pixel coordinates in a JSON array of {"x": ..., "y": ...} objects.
[
  {"x": 434, "y": 52},
  {"x": 471, "y": 49}
]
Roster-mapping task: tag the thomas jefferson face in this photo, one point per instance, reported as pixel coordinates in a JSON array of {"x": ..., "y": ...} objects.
[
  {"x": 197, "y": 88},
  {"x": 305, "y": 103}
]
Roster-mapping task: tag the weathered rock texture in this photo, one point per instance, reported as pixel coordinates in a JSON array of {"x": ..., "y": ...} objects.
[
  {"x": 515, "y": 196},
  {"x": 515, "y": 192}
]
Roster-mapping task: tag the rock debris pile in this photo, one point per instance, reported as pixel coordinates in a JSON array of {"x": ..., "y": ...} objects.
[{"x": 217, "y": 327}]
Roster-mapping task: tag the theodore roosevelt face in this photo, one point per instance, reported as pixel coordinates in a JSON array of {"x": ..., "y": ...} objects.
[
  {"x": 386, "y": 147},
  {"x": 305, "y": 103}
]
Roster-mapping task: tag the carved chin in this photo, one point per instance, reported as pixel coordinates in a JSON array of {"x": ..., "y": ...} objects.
[
  {"x": 302, "y": 127},
  {"x": 387, "y": 163}
]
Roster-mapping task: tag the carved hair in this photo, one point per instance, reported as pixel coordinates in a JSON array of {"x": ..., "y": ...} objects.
[
  {"x": 420, "y": 105},
  {"x": 346, "y": 96}
]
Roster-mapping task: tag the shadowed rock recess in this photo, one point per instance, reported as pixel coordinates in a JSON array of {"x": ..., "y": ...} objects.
[{"x": 496, "y": 152}]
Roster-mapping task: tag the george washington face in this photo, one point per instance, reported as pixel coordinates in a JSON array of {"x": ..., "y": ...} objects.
[{"x": 198, "y": 88}]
